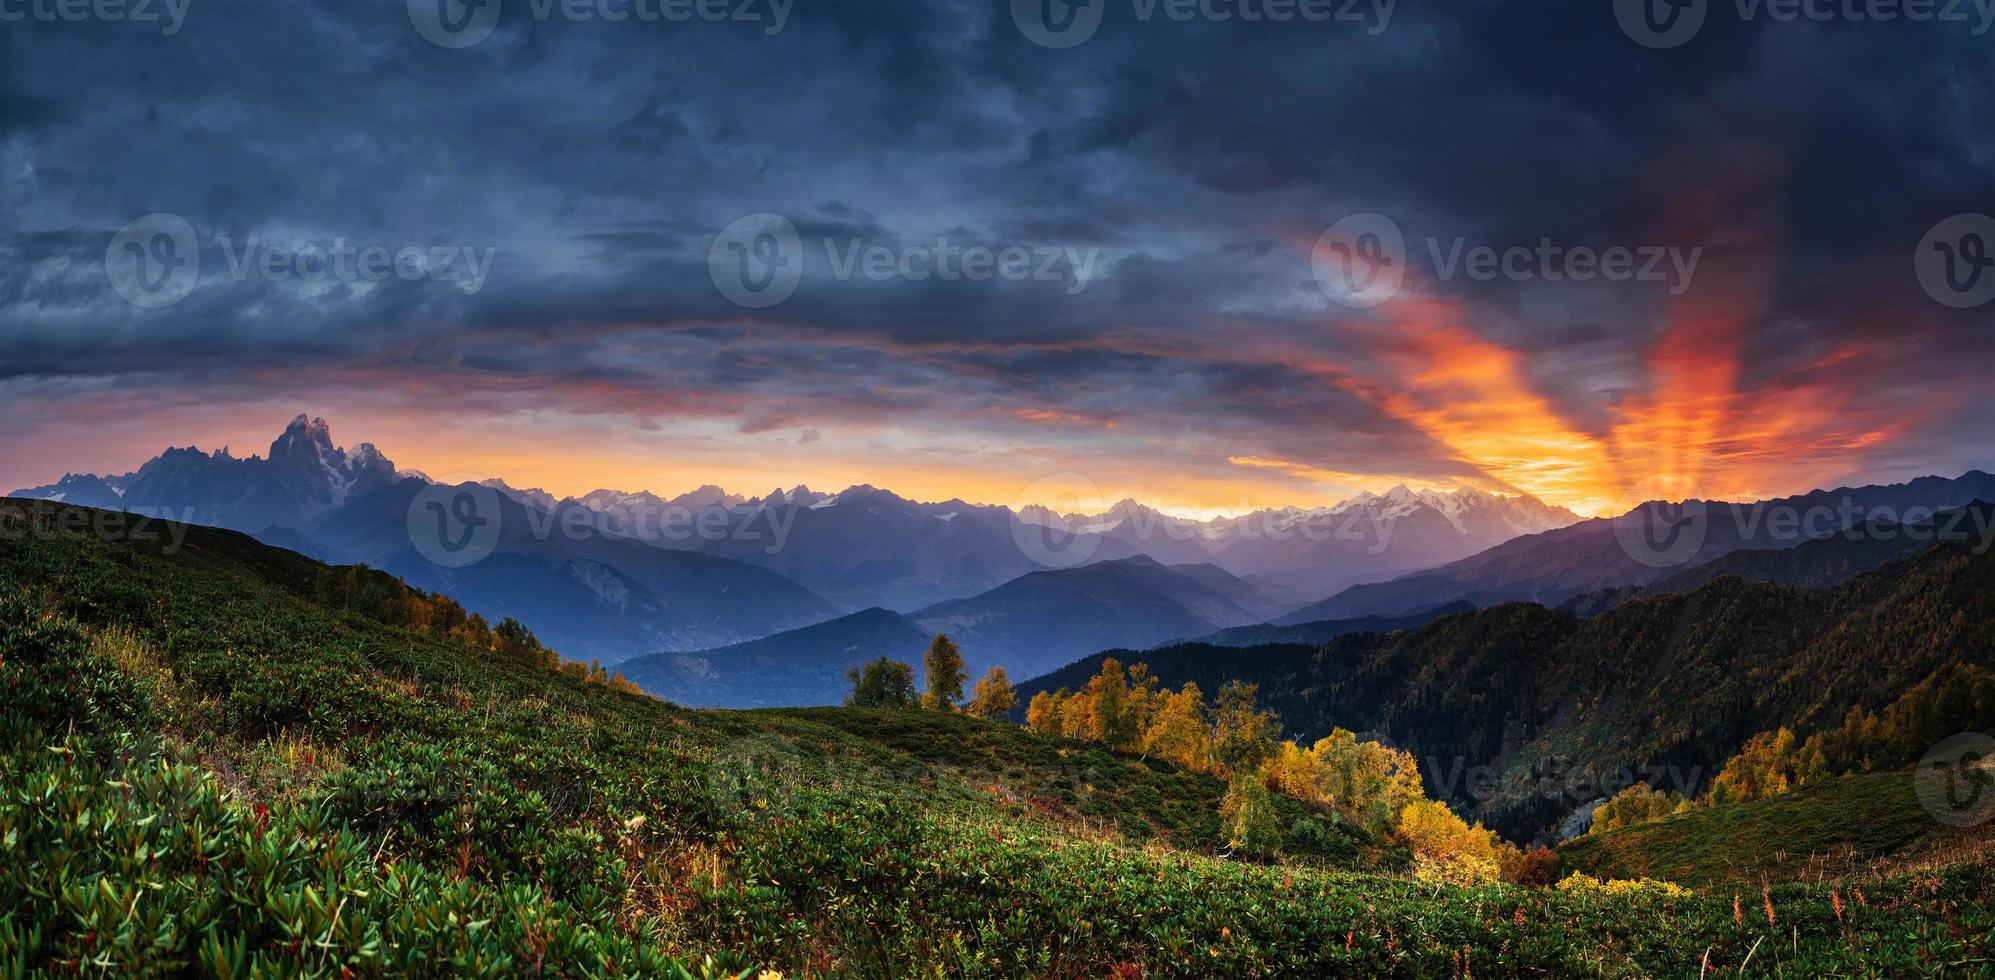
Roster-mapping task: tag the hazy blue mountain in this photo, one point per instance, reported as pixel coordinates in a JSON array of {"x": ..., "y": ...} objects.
[
  {"x": 869, "y": 547},
  {"x": 1038, "y": 621},
  {"x": 591, "y": 595},
  {"x": 795, "y": 668}
]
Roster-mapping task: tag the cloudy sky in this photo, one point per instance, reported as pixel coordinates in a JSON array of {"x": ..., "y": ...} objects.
[{"x": 985, "y": 260}]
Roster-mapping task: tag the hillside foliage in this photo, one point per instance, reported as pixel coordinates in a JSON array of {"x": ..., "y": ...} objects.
[
  {"x": 209, "y": 770},
  {"x": 1673, "y": 683}
]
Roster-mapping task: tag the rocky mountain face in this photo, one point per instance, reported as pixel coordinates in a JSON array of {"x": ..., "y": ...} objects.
[{"x": 303, "y": 476}]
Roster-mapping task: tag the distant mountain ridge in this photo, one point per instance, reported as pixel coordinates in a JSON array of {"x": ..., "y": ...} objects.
[
  {"x": 1816, "y": 563},
  {"x": 1315, "y": 551},
  {"x": 1556, "y": 566},
  {"x": 797, "y": 668}
]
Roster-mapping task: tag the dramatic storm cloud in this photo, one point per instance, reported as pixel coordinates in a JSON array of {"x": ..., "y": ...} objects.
[{"x": 522, "y": 252}]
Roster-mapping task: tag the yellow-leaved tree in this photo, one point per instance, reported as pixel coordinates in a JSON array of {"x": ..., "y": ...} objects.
[
  {"x": 994, "y": 697},
  {"x": 1639, "y": 803},
  {"x": 1446, "y": 847},
  {"x": 1366, "y": 783},
  {"x": 1768, "y": 765},
  {"x": 1178, "y": 731}
]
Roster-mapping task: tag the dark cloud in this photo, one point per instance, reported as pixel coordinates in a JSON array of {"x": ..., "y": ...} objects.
[{"x": 1193, "y": 162}]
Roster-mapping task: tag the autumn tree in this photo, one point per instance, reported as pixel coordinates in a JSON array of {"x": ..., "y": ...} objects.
[
  {"x": 1143, "y": 700},
  {"x": 1767, "y": 765},
  {"x": 1247, "y": 816},
  {"x": 994, "y": 697},
  {"x": 1115, "y": 725},
  {"x": 512, "y": 638},
  {"x": 1178, "y": 731},
  {"x": 1770, "y": 763},
  {"x": 1047, "y": 712},
  {"x": 882, "y": 683},
  {"x": 1242, "y": 734},
  {"x": 1445, "y": 846},
  {"x": 1366, "y": 783},
  {"x": 1639, "y": 803},
  {"x": 1077, "y": 714},
  {"x": 943, "y": 664}
]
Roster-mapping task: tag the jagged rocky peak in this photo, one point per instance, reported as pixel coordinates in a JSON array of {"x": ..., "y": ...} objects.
[{"x": 303, "y": 431}]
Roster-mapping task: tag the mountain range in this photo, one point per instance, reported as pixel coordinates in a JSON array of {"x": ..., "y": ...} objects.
[
  {"x": 1556, "y": 566},
  {"x": 592, "y": 595},
  {"x": 729, "y": 590},
  {"x": 614, "y": 574}
]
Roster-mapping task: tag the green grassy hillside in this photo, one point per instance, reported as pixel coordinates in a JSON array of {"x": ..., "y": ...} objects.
[
  {"x": 1846, "y": 826},
  {"x": 226, "y": 761}
]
